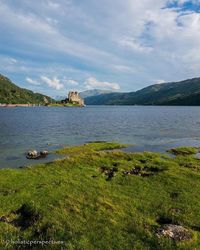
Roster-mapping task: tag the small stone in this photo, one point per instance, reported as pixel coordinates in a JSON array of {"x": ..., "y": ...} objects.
[
  {"x": 44, "y": 153},
  {"x": 4, "y": 219},
  {"x": 175, "y": 232},
  {"x": 32, "y": 154},
  {"x": 175, "y": 210}
]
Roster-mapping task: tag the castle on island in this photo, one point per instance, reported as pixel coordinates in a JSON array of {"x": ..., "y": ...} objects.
[{"x": 74, "y": 98}]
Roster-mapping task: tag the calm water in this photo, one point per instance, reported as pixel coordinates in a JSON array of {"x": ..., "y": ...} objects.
[{"x": 148, "y": 128}]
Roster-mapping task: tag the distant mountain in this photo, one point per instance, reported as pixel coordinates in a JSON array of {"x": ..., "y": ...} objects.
[
  {"x": 174, "y": 93},
  {"x": 60, "y": 98},
  {"x": 86, "y": 93},
  {"x": 12, "y": 94},
  {"x": 93, "y": 92}
]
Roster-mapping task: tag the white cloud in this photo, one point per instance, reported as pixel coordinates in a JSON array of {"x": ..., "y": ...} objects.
[
  {"x": 72, "y": 82},
  {"x": 160, "y": 81},
  {"x": 31, "y": 81},
  {"x": 51, "y": 20},
  {"x": 131, "y": 41},
  {"x": 92, "y": 83},
  {"x": 13, "y": 60},
  {"x": 132, "y": 44},
  {"x": 53, "y": 5},
  {"x": 41, "y": 34},
  {"x": 53, "y": 83},
  {"x": 123, "y": 68}
]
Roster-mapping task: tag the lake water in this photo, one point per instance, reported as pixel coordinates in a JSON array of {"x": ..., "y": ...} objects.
[{"x": 152, "y": 128}]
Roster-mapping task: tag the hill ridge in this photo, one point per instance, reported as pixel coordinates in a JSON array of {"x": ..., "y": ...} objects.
[
  {"x": 185, "y": 92},
  {"x": 10, "y": 93}
]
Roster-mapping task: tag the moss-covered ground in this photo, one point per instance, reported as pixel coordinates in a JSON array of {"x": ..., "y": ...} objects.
[
  {"x": 97, "y": 198},
  {"x": 184, "y": 151}
]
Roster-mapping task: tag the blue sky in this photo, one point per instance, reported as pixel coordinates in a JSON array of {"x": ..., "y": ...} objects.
[{"x": 56, "y": 46}]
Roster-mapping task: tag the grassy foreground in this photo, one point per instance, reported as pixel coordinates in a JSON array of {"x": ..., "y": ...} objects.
[{"x": 91, "y": 200}]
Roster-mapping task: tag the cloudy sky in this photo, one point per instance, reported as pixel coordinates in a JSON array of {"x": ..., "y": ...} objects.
[{"x": 123, "y": 45}]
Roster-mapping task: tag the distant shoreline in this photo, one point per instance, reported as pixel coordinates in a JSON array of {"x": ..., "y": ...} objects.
[
  {"x": 17, "y": 105},
  {"x": 38, "y": 105}
]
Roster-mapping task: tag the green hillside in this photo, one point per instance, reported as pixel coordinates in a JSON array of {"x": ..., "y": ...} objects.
[
  {"x": 94, "y": 92},
  {"x": 175, "y": 93},
  {"x": 12, "y": 94}
]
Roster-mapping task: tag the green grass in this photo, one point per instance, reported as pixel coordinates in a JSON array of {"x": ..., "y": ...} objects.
[
  {"x": 73, "y": 201},
  {"x": 91, "y": 148},
  {"x": 184, "y": 151}
]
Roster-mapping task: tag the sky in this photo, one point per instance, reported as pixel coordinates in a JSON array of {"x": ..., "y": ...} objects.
[{"x": 52, "y": 47}]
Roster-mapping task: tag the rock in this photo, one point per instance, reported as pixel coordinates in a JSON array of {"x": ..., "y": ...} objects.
[
  {"x": 175, "y": 232},
  {"x": 144, "y": 172},
  {"x": 175, "y": 210},
  {"x": 111, "y": 173},
  {"x": 35, "y": 155},
  {"x": 44, "y": 153},
  {"x": 4, "y": 219},
  {"x": 32, "y": 154},
  {"x": 103, "y": 169}
]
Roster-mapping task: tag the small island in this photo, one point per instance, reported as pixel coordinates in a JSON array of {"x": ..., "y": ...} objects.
[{"x": 73, "y": 100}]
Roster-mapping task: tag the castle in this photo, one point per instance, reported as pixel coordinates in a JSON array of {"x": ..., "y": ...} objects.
[{"x": 74, "y": 98}]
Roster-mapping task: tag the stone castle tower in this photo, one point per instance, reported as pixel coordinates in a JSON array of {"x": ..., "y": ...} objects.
[{"x": 74, "y": 97}]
